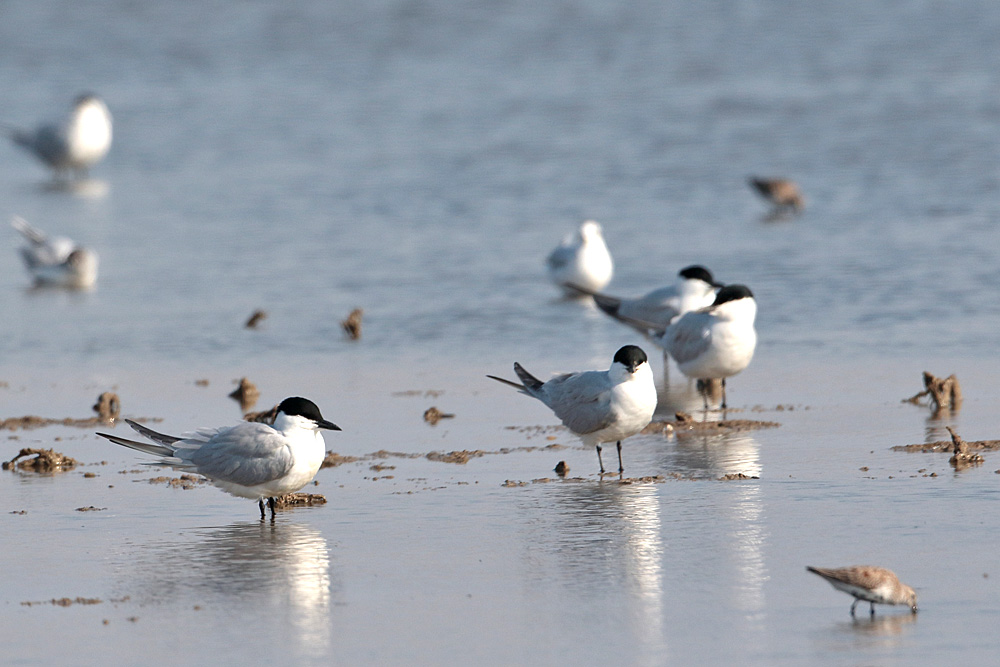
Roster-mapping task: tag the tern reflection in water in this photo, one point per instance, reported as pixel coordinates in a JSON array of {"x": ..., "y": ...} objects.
[{"x": 282, "y": 570}]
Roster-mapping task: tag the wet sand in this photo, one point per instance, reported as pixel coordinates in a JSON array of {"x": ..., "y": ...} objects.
[{"x": 458, "y": 543}]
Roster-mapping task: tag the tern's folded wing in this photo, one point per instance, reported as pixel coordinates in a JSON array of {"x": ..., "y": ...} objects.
[
  {"x": 581, "y": 400},
  {"x": 688, "y": 337},
  {"x": 249, "y": 453},
  {"x": 559, "y": 258}
]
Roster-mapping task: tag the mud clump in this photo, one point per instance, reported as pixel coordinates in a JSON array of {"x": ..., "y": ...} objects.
[
  {"x": 108, "y": 406},
  {"x": 246, "y": 394},
  {"x": 728, "y": 477},
  {"x": 945, "y": 394},
  {"x": 255, "y": 319},
  {"x": 264, "y": 416},
  {"x": 432, "y": 415},
  {"x": 186, "y": 482},
  {"x": 333, "y": 459},
  {"x": 460, "y": 457},
  {"x": 64, "y": 602},
  {"x": 299, "y": 500},
  {"x": 45, "y": 460},
  {"x": 962, "y": 457},
  {"x": 940, "y": 446},
  {"x": 686, "y": 423},
  {"x": 352, "y": 325},
  {"x": 649, "y": 479}
]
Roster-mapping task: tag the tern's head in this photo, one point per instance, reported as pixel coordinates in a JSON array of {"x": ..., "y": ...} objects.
[
  {"x": 630, "y": 358},
  {"x": 732, "y": 293},
  {"x": 591, "y": 231},
  {"x": 86, "y": 98},
  {"x": 697, "y": 272},
  {"x": 734, "y": 302},
  {"x": 301, "y": 413}
]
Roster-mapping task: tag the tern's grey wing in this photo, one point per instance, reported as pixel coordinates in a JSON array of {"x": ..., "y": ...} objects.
[
  {"x": 689, "y": 336},
  {"x": 647, "y": 314},
  {"x": 560, "y": 257},
  {"x": 249, "y": 453},
  {"x": 47, "y": 142},
  {"x": 581, "y": 400}
]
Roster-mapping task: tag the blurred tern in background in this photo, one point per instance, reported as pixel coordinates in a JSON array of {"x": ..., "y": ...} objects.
[
  {"x": 715, "y": 342},
  {"x": 56, "y": 261},
  {"x": 74, "y": 144},
  {"x": 251, "y": 459},
  {"x": 598, "y": 406},
  {"x": 581, "y": 260}
]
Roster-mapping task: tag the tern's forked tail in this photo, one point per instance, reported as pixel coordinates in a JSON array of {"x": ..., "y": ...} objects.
[
  {"x": 164, "y": 446},
  {"x": 144, "y": 447},
  {"x": 531, "y": 383}
]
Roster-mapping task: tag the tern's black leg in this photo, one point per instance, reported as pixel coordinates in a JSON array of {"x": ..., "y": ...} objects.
[
  {"x": 271, "y": 503},
  {"x": 599, "y": 461},
  {"x": 703, "y": 389},
  {"x": 621, "y": 468},
  {"x": 723, "y": 393},
  {"x": 260, "y": 504},
  {"x": 856, "y": 601}
]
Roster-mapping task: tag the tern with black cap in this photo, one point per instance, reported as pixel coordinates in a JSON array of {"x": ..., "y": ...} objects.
[{"x": 251, "y": 459}]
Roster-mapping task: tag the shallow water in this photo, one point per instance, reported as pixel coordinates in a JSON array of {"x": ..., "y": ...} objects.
[{"x": 419, "y": 159}]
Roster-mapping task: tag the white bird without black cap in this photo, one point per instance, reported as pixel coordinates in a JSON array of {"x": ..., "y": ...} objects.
[
  {"x": 694, "y": 288},
  {"x": 79, "y": 141},
  {"x": 598, "y": 406},
  {"x": 781, "y": 192},
  {"x": 251, "y": 459},
  {"x": 875, "y": 585},
  {"x": 56, "y": 260},
  {"x": 715, "y": 342},
  {"x": 582, "y": 260}
]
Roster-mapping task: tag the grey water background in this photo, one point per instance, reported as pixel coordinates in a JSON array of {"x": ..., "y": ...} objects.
[{"x": 419, "y": 160}]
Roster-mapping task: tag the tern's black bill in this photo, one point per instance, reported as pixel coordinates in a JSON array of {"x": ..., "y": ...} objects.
[{"x": 330, "y": 426}]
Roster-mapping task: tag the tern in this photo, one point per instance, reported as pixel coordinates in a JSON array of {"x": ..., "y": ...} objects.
[
  {"x": 56, "y": 261},
  {"x": 598, "y": 406},
  {"x": 694, "y": 288},
  {"x": 869, "y": 583},
  {"x": 74, "y": 144},
  {"x": 581, "y": 260},
  {"x": 715, "y": 342},
  {"x": 251, "y": 459}
]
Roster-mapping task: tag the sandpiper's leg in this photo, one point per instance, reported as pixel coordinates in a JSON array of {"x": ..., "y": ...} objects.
[
  {"x": 873, "y": 609},
  {"x": 856, "y": 601},
  {"x": 621, "y": 468},
  {"x": 599, "y": 459},
  {"x": 260, "y": 504}
]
